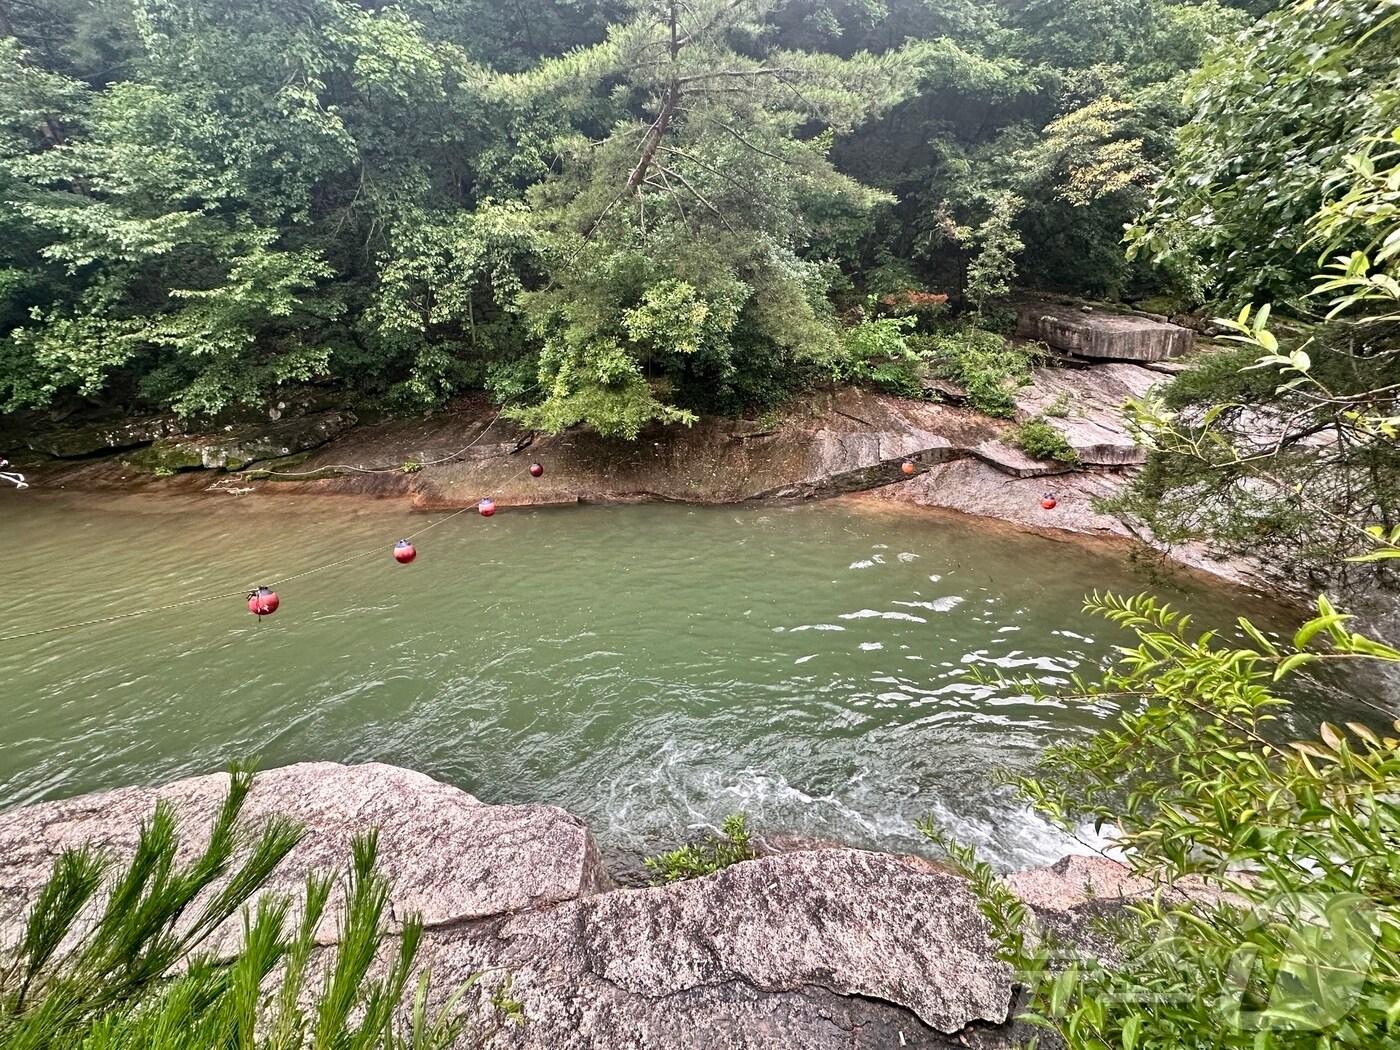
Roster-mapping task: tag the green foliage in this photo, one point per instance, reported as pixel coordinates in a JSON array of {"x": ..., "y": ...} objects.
[
  {"x": 1293, "y": 936},
  {"x": 1050, "y": 118},
  {"x": 1285, "y": 446},
  {"x": 130, "y": 965},
  {"x": 1038, "y": 437},
  {"x": 207, "y": 206},
  {"x": 993, "y": 266},
  {"x": 988, "y": 367},
  {"x": 877, "y": 351},
  {"x": 693, "y": 860},
  {"x": 681, "y": 225},
  {"x": 1274, "y": 119}
]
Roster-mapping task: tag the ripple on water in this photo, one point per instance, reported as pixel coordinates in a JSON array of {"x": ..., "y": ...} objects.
[{"x": 652, "y": 668}]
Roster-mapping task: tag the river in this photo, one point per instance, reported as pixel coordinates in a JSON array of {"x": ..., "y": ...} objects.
[{"x": 651, "y": 668}]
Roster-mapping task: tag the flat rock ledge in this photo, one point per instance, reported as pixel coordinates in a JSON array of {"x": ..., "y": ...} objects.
[
  {"x": 1103, "y": 334},
  {"x": 824, "y": 948}
]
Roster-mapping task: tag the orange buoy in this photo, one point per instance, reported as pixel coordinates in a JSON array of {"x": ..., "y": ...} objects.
[
  {"x": 1048, "y": 501},
  {"x": 262, "y": 601},
  {"x": 404, "y": 552},
  {"x": 486, "y": 507},
  {"x": 907, "y": 466}
]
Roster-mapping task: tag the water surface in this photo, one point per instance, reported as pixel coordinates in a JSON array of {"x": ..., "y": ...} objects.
[{"x": 651, "y": 668}]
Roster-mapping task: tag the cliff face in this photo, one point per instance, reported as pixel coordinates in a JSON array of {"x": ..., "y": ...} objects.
[{"x": 828, "y": 948}]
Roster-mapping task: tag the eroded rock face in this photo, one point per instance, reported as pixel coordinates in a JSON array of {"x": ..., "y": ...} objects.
[
  {"x": 825, "y": 443},
  {"x": 1103, "y": 335},
  {"x": 450, "y": 857},
  {"x": 813, "y": 949},
  {"x": 92, "y": 439},
  {"x": 797, "y": 950},
  {"x": 1086, "y": 405},
  {"x": 238, "y": 446}
]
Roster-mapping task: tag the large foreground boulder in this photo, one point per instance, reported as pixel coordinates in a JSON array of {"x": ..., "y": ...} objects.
[
  {"x": 802, "y": 950},
  {"x": 824, "y": 949},
  {"x": 449, "y": 856}
]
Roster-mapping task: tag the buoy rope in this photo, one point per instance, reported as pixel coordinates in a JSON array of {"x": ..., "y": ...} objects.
[{"x": 242, "y": 592}]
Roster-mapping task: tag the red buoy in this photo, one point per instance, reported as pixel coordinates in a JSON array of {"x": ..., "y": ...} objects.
[
  {"x": 487, "y": 507},
  {"x": 536, "y": 469},
  {"x": 404, "y": 552},
  {"x": 1048, "y": 501},
  {"x": 262, "y": 601},
  {"x": 907, "y": 466}
]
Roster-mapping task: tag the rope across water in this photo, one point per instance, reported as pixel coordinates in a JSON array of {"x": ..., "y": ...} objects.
[{"x": 243, "y": 591}]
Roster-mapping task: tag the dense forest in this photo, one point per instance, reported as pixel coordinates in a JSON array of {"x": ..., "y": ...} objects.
[{"x": 599, "y": 212}]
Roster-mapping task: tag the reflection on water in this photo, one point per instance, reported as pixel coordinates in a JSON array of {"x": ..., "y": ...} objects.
[{"x": 651, "y": 668}]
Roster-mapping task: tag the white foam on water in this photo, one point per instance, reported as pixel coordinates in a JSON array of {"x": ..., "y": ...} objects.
[
  {"x": 939, "y": 605},
  {"x": 867, "y": 563},
  {"x": 875, "y": 614}
]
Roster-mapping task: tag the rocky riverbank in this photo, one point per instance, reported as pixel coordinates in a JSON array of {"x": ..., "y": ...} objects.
[
  {"x": 813, "y": 948},
  {"x": 843, "y": 442},
  {"x": 836, "y": 442}
]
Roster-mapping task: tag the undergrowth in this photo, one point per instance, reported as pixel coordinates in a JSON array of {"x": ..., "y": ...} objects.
[
  {"x": 988, "y": 367},
  {"x": 1037, "y": 437},
  {"x": 693, "y": 860}
]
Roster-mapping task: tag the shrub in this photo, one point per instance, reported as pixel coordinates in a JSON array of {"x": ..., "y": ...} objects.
[
  {"x": 696, "y": 859},
  {"x": 988, "y": 367},
  {"x": 140, "y": 975},
  {"x": 1300, "y": 946},
  {"x": 1037, "y": 437},
  {"x": 878, "y": 351},
  {"x": 912, "y": 302}
]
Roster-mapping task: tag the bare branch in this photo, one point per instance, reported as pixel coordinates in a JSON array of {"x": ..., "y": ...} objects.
[
  {"x": 761, "y": 71},
  {"x": 697, "y": 195},
  {"x": 714, "y": 171},
  {"x": 750, "y": 145},
  {"x": 676, "y": 197}
]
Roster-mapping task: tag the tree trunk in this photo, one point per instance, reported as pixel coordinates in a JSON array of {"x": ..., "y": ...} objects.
[{"x": 669, "y": 101}]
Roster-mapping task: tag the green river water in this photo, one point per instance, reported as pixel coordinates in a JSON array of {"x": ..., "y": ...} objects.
[{"x": 651, "y": 668}]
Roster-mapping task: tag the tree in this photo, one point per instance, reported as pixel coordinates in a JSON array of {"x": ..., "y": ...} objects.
[
  {"x": 1286, "y": 447},
  {"x": 1273, "y": 117},
  {"x": 684, "y": 228},
  {"x": 603, "y": 214},
  {"x": 180, "y": 229},
  {"x": 1071, "y": 107}
]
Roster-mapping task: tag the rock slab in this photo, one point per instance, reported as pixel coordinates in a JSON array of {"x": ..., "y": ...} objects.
[
  {"x": 1103, "y": 335},
  {"x": 821, "y": 949},
  {"x": 236, "y": 447},
  {"x": 450, "y": 857}
]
